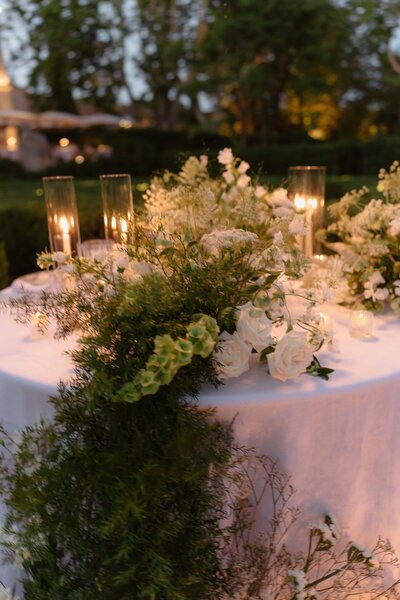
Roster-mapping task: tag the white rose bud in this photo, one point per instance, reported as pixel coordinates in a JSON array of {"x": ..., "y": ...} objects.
[
  {"x": 254, "y": 327},
  {"x": 232, "y": 356},
  {"x": 292, "y": 356}
]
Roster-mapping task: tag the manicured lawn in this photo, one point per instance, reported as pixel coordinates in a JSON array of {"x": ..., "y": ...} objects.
[{"x": 29, "y": 192}]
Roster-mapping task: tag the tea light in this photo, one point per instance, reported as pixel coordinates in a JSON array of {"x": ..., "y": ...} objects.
[
  {"x": 326, "y": 324},
  {"x": 38, "y": 326},
  {"x": 320, "y": 258},
  {"x": 361, "y": 322}
]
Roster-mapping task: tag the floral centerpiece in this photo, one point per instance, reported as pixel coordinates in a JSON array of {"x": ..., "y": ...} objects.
[
  {"x": 368, "y": 243},
  {"x": 132, "y": 492}
]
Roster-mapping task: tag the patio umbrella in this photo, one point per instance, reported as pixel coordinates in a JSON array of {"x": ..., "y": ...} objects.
[
  {"x": 55, "y": 118},
  {"x": 100, "y": 119},
  {"x": 17, "y": 117}
]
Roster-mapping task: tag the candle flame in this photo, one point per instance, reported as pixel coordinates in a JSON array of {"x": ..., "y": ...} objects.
[
  {"x": 113, "y": 223},
  {"x": 305, "y": 203},
  {"x": 124, "y": 226},
  {"x": 64, "y": 224}
]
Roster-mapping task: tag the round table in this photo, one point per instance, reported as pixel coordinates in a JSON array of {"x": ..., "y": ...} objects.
[{"x": 339, "y": 440}]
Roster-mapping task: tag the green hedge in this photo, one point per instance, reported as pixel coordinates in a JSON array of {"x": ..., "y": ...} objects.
[{"x": 142, "y": 152}]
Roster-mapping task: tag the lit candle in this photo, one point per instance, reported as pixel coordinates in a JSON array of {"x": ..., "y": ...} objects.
[
  {"x": 124, "y": 231},
  {"x": 307, "y": 205},
  {"x": 320, "y": 258},
  {"x": 66, "y": 238},
  {"x": 361, "y": 322},
  {"x": 114, "y": 228},
  {"x": 38, "y": 326}
]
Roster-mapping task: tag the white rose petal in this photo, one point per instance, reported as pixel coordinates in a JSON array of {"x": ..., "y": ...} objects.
[
  {"x": 292, "y": 356},
  {"x": 254, "y": 327},
  {"x": 232, "y": 356}
]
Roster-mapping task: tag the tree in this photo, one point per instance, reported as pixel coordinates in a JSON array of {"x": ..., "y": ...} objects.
[
  {"x": 169, "y": 35},
  {"x": 73, "y": 50},
  {"x": 266, "y": 49}
]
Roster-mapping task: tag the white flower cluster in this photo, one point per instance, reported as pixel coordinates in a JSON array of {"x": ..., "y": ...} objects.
[
  {"x": 227, "y": 238},
  {"x": 370, "y": 241},
  {"x": 193, "y": 203},
  {"x": 300, "y": 581},
  {"x": 328, "y": 530}
]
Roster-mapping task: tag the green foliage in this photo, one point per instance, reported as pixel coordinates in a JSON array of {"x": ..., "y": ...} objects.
[
  {"x": 122, "y": 499},
  {"x": 126, "y": 498},
  {"x": 88, "y": 64}
]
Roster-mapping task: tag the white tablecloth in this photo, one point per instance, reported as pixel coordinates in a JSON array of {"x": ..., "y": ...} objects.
[{"x": 338, "y": 439}]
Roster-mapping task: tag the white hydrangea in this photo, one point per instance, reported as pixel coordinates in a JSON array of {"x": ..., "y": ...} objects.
[{"x": 227, "y": 238}]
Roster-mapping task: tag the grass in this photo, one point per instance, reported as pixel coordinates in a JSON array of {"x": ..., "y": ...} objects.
[{"x": 29, "y": 192}]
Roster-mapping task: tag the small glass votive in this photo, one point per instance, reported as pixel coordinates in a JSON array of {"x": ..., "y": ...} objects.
[
  {"x": 326, "y": 324},
  {"x": 361, "y": 324},
  {"x": 96, "y": 249},
  {"x": 39, "y": 326}
]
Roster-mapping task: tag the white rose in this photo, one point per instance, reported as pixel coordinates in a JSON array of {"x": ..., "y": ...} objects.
[
  {"x": 292, "y": 356},
  {"x": 254, "y": 327},
  {"x": 232, "y": 356}
]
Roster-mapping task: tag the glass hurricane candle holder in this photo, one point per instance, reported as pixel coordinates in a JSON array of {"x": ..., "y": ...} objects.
[
  {"x": 62, "y": 215},
  {"x": 361, "y": 324},
  {"x": 96, "y": 249},
  {"x": 307, "y": 191},
  {"x": 116, "y": 192}
]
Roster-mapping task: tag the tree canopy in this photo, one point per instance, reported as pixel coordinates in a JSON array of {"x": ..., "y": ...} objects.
[{"x": 259, "y": 69}]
